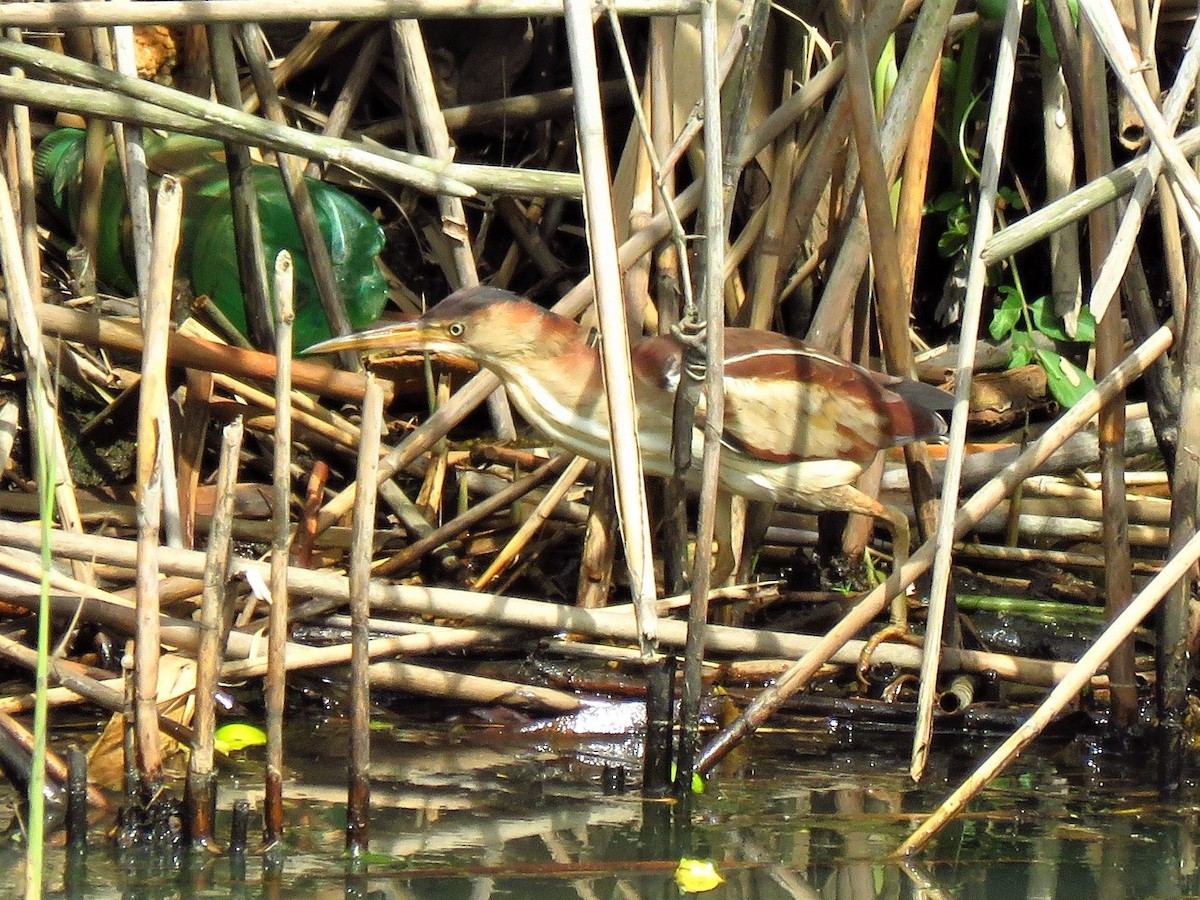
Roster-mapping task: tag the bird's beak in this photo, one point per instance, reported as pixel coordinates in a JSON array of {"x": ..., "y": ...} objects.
[{"x": 396, "y": 337}]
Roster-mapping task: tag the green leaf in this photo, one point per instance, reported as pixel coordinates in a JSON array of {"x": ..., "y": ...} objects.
[
  {"x": 1007, "y": 314},
  {"x": 1085, "y": 328},
  {"x": 1011, "y": 198},
  {"x": 993, "y": 10},
  {"x": 1049, "y": 324},
  {"x": 697, "y": 779},
  {"x": 1022, "y": 352},
  {"x": 944, "y": 202},
  {"x": 1045, "y": 33},
  {"x": 1066, "y": 381}
]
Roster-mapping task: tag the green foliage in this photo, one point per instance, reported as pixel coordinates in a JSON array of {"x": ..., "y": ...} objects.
[
  {"x": 1014, "y": 318},
  {"x": 956, "y": 236},
  {"x": 1066, "y": 381}
]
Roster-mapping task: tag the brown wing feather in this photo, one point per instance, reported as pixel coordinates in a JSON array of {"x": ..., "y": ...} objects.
[
  {"x": 787, "y": 402},
  {"x": 840, "y": 412}
]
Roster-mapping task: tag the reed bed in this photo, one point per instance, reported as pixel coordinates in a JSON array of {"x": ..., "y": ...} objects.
[{"x": 897, "y": 184}]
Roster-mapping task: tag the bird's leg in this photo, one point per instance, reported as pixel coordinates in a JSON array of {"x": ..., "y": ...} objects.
[
  {"x": 850, "y": 499},
  {"x": 901, "y": 538}
]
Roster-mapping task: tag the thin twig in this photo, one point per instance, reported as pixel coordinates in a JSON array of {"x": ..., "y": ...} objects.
[
  {"x": 320, "y": 259},
  {"x": 276, "y": 682},
  {"x": 964, "y": 370},
  {"x": 201, "y": 787},
  {"x": 358, "y": 804}
]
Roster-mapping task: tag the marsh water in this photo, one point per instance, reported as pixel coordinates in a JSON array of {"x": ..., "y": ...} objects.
[{"x": 813, "y": 809}]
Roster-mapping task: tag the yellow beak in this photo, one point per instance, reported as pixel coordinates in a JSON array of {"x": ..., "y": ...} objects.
[{"x": 414, "y": 335}]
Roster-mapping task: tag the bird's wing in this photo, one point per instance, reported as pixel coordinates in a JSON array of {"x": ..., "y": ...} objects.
[{"x": 786, "y": 402}]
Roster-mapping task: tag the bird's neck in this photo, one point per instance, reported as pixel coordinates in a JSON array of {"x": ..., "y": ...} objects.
[{"x": 561, "y": 395}]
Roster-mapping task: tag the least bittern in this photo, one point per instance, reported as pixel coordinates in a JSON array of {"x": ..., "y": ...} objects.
[{"x": 800, "y": 425}]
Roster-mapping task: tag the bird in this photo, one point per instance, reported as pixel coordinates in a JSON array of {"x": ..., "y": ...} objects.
[{"x": 799, "y": 425}]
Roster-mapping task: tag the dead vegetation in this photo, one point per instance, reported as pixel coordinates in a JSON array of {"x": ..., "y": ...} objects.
[{"x": 860, "y": 194}]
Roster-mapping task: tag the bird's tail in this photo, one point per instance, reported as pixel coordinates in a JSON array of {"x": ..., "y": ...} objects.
[{"x": 918, "y": 415}]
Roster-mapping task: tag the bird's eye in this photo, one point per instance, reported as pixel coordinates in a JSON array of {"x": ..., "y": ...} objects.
[{"x": 457, "y": 329}]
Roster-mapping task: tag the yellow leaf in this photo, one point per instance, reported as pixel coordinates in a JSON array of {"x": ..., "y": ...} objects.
[
  {"x": 695, "y": 876},
  {"x": 238, "y": 736}
]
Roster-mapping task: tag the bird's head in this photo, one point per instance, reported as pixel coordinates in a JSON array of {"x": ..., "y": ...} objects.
[{"x": 485, "y": 324}]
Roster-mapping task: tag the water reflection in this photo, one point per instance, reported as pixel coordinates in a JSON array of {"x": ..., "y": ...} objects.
[{"x": 470, "y": 813}]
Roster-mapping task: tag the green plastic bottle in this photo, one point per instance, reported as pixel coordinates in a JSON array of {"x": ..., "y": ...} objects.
[{"x": 207, "y": 254}]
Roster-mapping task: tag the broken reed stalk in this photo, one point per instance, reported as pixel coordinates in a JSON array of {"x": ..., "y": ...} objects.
[
  {"x": 1112, "y": 270},
  {"x": 243, "y": 197},
  {"x": 1098, "y": 159},
  {"x": 761, "y": 708},
  {"x": 145, "y": 103},
  {"x": 632, "y": 509},
  {"x": 1175, "y": 631},
  {"x": 392, "y": 675},
  {"x": 277, "y": 632},
  {"x": 599, "y": 550},
  {"x": 351, "y": 93},
  {"x": 612, "y": 624},
  {"x": 124, "y": 335},
  {"x": 21, "y": 306},
  {"x": 1079, "y": 203},
  {"x": 413, "y": 553},
  {"x": 137, "y": 184},
  {"x": 964, "y": 370},
  {"x": 358, "y": 800},
  {"x": 337, "y": 431},
  {"x": 914, "y": 177},
  {"x": 169, "y": 12},
  {"x": 1110, "y": 35},
  {"x": 712, "y": 317},
  {"x": 201, "y": 784},
  {"x": 322, "y": 40},
  {"x": 534, "y": 521},
  {"x": 892, "y": 291},
  {"x": 924, "y": 49},
  {"x": 137, "y": 190},
  {"x": 416, "y": 79},
  {"x": 152, "y": 397},
  {"x": 26, "y": 190},
  {"x": 973, "y": 550},
  {"x": 428, "y": 640},
  {"x": 74, "y": 685},
  {"x": 55, "y": 768},
  {"x": 1118, "y": 631}
]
